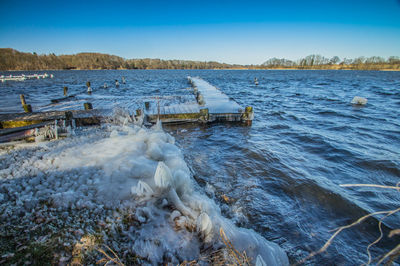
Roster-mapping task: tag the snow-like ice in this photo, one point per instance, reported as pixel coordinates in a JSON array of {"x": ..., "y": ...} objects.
[{"x": 127, "y": 165}]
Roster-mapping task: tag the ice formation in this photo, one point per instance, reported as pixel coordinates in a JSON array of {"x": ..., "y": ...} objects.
[
  {"x": 119, "y": 166},
  {"x": 359, "y": 100}
]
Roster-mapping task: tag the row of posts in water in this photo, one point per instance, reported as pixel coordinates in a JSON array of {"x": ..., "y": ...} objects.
[
  {"x": 105, "y": 86},
  {"x": 28, "y": 108},
  {"x": 88, "y": 106}
]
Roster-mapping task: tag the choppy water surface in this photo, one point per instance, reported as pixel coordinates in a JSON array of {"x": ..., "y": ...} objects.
[{"x": 281, "y": 176}]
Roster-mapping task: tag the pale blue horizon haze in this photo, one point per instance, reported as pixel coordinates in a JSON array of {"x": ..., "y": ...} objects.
[{"x": 241, "y": 32}]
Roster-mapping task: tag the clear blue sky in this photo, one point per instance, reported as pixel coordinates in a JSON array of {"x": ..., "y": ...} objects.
[{"x": 244, "y": 32}]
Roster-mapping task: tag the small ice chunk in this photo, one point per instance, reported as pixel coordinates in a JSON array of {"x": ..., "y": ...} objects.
[
  {"x": 163, "y": 176},
  {"x": 175, "y": 214},
  {"x": 40, "y": 138},
  {"x": 157, "y": 126},
  {"x": 359, "y": 100},
  {"x": 260, "y": 261},
  {"x": 164, "y": 203},
  {"x": 181, "y": 222},
  {"x": 142, "y": 189},
  {"x": 204, "y": 225}
]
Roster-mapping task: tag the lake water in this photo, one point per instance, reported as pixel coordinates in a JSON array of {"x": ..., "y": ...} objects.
[{"x": 282, "y": 174}]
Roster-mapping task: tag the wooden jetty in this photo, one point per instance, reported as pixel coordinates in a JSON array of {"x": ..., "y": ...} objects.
[
  {"x": 24, "y": 77},
  {"x": 209, "y": 105}
]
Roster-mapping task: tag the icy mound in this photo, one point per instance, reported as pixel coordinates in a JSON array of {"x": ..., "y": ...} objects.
[
  {"x": 139, "y": 167},
  {"x": 357, "y": 100}
]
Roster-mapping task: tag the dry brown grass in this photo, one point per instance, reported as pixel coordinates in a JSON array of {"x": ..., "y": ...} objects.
[
  {"x": 240, "y": 257},
  {"x": 223, "y": 256},
  {"x": 108, "y": 258},
  {"x": 89, "y": 243}
]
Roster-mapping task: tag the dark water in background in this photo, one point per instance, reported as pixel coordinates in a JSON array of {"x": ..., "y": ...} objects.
[{"x": 281, "y": 175}]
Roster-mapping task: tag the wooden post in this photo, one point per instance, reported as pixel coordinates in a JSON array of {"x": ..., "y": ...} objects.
[
  {"x": 65, "y": 91},
  {"x": 89, "y": 89},
  {"x": 147, "y": 105},
  {"x": 204, "y": 115},
  {"x": 68, "y": 118},
  {"x": 22, "y": 97},
  {"x": 138, "y": 112},
  {"x": 88, "y": 106},
  {"x": 248, "y": 109},
  {"x": 248, "y": 115},
  {"x": 200, "y": 99},
  {"x": 27, "y": 107}
]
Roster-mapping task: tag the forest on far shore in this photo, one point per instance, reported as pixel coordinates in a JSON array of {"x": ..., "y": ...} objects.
[{"x": 11, "y": 59}]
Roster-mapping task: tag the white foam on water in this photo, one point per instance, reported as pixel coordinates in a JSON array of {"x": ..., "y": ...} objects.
[{"x": 128, "y": 164}]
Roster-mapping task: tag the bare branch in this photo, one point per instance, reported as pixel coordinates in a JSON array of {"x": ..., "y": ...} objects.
[
  {"x": 371, "y": 185},
  {"x": 390, "y": 253},
  {"x": 340, "y": 229}
]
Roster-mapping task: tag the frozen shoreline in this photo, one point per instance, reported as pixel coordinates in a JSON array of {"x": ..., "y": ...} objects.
[{"x": 126, "y": 187}]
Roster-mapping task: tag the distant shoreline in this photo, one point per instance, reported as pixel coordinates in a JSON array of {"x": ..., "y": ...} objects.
[
  {"x": 13, "y": 60},
  {"x": 236, "y": 69}
]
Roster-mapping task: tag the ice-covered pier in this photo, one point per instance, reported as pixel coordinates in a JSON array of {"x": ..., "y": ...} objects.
[
  {"x": 25, "y": 77},
  {"x": 209, "y": 105}
]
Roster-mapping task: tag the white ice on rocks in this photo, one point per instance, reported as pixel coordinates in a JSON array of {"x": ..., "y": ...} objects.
[{"x": 133, "y": 165}]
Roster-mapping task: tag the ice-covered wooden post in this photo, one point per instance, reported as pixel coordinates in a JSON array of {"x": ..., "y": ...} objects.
[
  {"x": 27, "y": 107},
  {"x": 89, "y": 89},
  {"x": 68, "y": 118},
  {"x": 204, "y": 115},
  {"x": 248, "y": 115}
]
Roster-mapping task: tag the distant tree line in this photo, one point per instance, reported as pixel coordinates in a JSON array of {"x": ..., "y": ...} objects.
[
  {"x": 321, "y": 62},
  {"x": 11, "y": 59}
]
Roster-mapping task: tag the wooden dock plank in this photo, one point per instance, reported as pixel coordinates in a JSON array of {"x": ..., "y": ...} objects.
[
  {"x": 25, "y": 119},
  {"x": 214, "y": 99}
]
